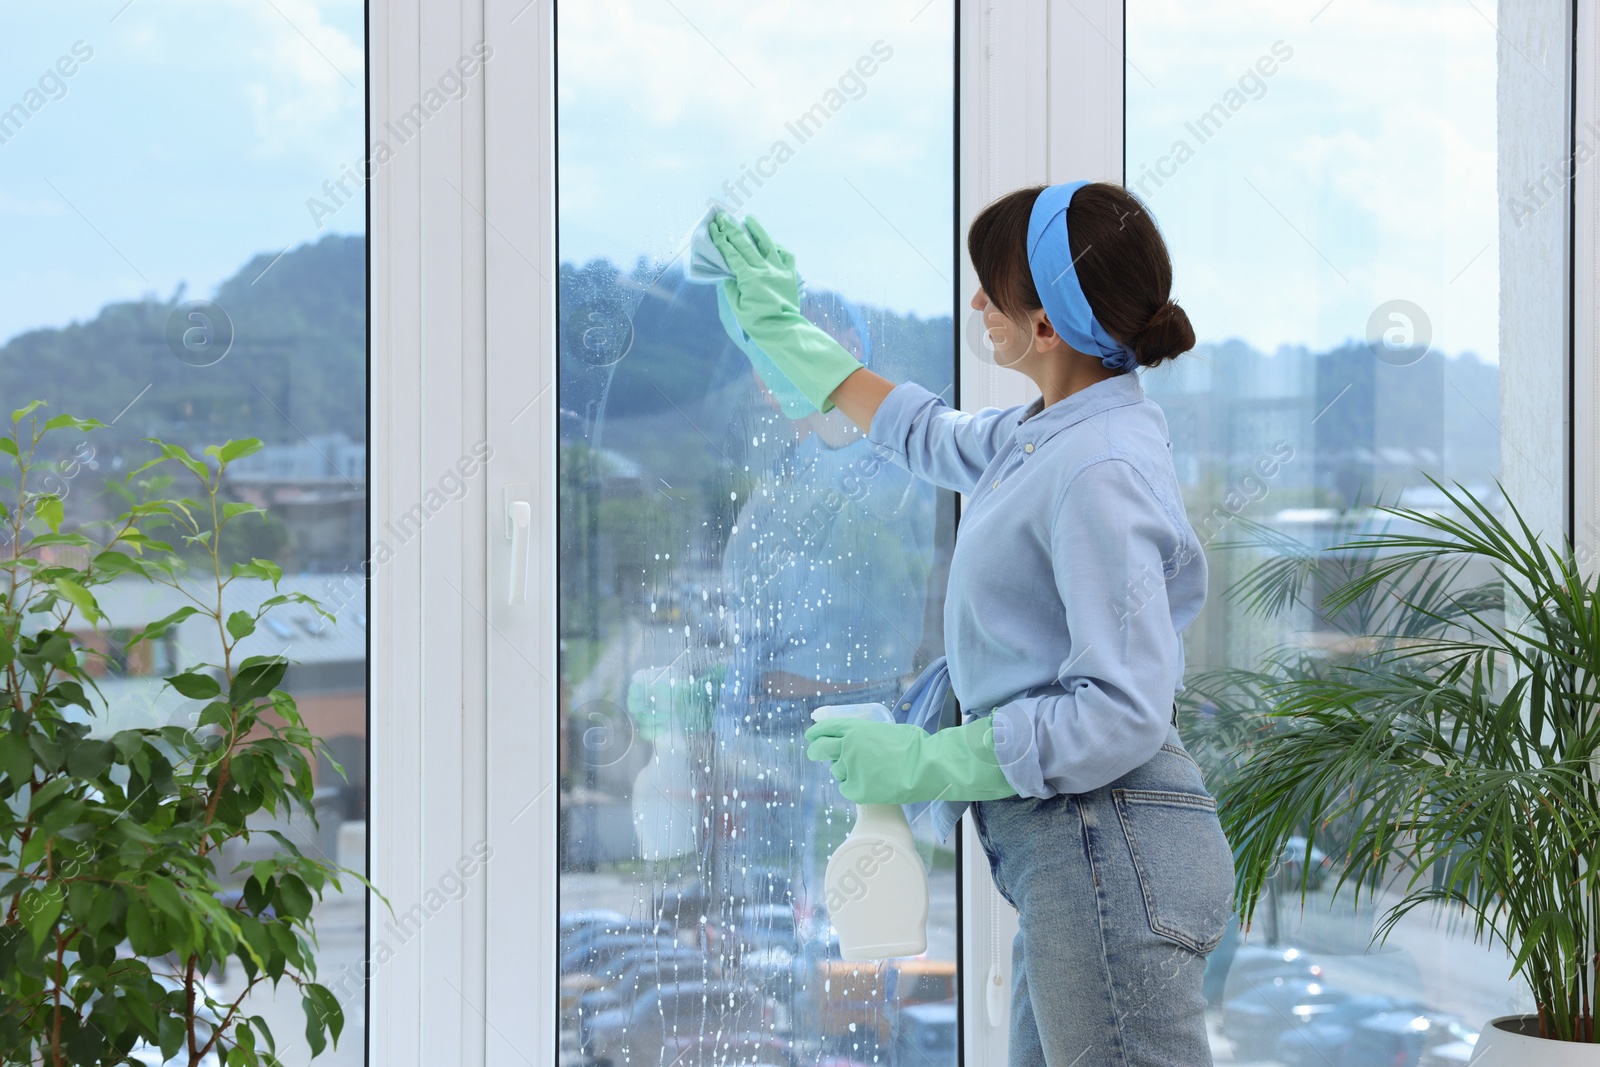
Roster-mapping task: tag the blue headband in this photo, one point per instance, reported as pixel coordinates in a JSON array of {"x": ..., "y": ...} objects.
[{"x": 1056, "y": 278}]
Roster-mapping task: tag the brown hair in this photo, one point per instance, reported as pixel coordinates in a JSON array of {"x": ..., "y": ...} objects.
[{"x": 1121, "y": 259}]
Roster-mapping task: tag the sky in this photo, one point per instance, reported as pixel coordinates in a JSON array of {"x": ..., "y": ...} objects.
[
  {"x": 1360, "y": 171},
  {"x": 188, "y": 141},
  {"x": 661, "y": 104}
]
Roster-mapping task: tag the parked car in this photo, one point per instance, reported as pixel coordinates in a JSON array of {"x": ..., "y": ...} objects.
[
  {"x": 577, "y": 988},
  {"x": 580, "y": 932},
  {"x": 572, "y": 922},
  {"x": 675, "y": 968},
  {"x": 641, "y": 1032},
  {"x": 751, "y": 927},
  {"x": 1402, "y": 1038},
  {"x": 848, "y": 998},
  {"x": 1232, "y": 968},
  {"x": 1325, "y": 1040},
  {"x": 1253, "y": 1020},
  {"x": 683, "y": 903},
  {"x": 925, "y": 1035},
  {"x": 593, "y": 957}
]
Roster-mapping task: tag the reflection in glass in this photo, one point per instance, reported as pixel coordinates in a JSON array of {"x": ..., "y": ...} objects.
[
  {"x": 731, "y": 560},
  {"x": 1328, "y": 192}
]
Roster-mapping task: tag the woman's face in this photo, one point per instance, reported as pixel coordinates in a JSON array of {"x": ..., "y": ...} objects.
[{"x": 1013, "y": 343}]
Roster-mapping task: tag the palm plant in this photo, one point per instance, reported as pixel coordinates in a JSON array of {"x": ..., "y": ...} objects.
[{"x": 1441, "y": 742}]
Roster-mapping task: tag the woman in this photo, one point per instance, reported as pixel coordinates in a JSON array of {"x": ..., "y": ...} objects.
[{"x": 1074, "y": 573}]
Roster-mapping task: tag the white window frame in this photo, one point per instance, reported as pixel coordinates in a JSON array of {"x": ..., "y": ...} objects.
[{"x": 461, "y": 235}]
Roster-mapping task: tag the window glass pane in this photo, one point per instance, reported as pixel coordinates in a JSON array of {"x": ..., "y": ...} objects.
[
  {"x": 1326, "y": 177},
  {"x": 728, "y": 564},
  {"x": 185, "y": 258}
]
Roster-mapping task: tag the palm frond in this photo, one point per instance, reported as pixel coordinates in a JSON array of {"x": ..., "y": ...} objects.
[{"x": 1443, "y": 749}]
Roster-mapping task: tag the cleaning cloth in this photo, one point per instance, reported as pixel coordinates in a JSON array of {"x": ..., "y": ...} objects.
[
  {"x": 923, "y": 704},
  {"x": 705, "y": 263}
]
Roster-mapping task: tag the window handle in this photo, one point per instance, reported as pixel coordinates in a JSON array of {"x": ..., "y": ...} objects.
[{"x": 519, "y": 521}]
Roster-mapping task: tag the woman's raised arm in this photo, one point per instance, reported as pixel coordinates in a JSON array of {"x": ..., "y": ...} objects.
[{"x": 859, "y": 395}]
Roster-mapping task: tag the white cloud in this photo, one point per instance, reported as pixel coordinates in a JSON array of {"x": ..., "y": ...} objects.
[
  {"x": 658, "y": 109},
  {"x": 1376, "y": 142}
]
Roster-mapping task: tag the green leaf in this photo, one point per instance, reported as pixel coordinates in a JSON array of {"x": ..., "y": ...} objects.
[
  {"x": 141, "y": 927},
  {"x": 195, "y": 685},
  {"x": 236, "y": 508},
  {"x": 259, "y": 1024},
  {"x": 9, "y": 447},
  {"x": 23, "y": 412},
  {"x": 119, "y": 563},
  {"x": 243, "y": 769},
  {"x": 16, "y": 758},
  {"x": 34, "y": 850},
  {"x": 47, "y": 793},
  {"x": 257, "y": 677},
  {"x": 171, "y": 1034},
  {"x": 60, "y": 539},
  {"x": 80, "y": 597},
  {"x": 162, "y": 625},
  {"x": 181, "y": 454},
  {"x": 39, "y": 908},
  {"x": 127, "y": 743},
  {"x": 322, "y": 1013},
  {"x": 241, "y": 624},
  {"x": 89, "y": 759},
  {"x": 165, "y": 896},
  {"x": 56, "y": 422},
  {"x": 48, "y": 508},
  {"x": 108, "y": 907},
  {"x": 294, "y": 899},
  {"x": 233, "y": 450},
  {"x": 264, "y": 569},
  {"x": 217, "y": 712}
]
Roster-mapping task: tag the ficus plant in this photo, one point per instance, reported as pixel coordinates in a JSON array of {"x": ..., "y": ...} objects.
[
  {"x": 114, "y": 924},
  {"x": 1439, "y": 741}
]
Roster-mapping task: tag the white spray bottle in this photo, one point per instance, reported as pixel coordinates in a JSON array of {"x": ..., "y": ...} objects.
[{"x": 876, "y": 887}]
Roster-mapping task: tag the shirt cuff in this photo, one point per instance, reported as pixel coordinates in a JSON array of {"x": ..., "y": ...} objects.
[{"x": 892, "y": 422}]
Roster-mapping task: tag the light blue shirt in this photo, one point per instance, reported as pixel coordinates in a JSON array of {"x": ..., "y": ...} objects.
[
  {"x": 827, "y": 568},
  {"x": 1074, "y": 573}
]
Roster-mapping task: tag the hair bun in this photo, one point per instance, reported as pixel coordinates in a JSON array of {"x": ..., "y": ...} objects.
[{"x": 1166, "y": 336}]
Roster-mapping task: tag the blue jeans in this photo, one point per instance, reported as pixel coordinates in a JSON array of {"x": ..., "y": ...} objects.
[{"x": 1121, "y": 893}]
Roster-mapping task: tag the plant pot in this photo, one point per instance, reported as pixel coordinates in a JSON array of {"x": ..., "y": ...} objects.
[{"x": 1512, "y": 1041}]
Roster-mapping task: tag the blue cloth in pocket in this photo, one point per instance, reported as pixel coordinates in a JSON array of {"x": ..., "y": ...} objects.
[{"x": 922, "y": 704}]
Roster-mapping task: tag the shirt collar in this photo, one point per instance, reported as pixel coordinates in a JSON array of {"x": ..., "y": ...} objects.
[{"x": 1040, "y": 423}]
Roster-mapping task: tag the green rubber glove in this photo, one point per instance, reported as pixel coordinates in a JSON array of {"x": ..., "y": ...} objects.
[
  {"x": 660, "y": 700},
  {"x": 901, "y": 763},
  {"x": 790, "y": 400},
  {"x": 764, "y": 296}
]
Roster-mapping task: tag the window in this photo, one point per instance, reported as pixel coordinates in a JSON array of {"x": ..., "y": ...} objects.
[
  {"x": 728, "y": 564},
  {"x": 186, "y": 258},
  {"x": 1379, "y": 299}
]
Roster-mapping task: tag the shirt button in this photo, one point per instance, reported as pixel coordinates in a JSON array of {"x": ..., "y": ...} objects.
[
  {"x": 996, "y": 484},
  {"x": 1028, "y": 447},
  {"x": 905, "y": 707}
]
